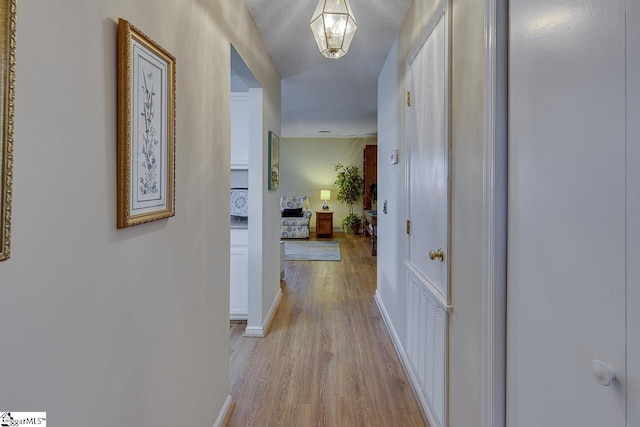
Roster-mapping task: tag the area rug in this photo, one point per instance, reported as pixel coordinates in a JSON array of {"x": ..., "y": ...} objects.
[{"x": 312, "y": 251}]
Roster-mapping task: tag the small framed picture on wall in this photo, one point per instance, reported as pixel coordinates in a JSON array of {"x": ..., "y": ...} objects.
[
  {"x": 274, "y": 161},
  {"x": 146, "y": 128}
]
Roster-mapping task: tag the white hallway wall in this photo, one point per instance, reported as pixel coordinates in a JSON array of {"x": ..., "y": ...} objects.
[
  {"x": 103, "y": 326},
  {"x": 465, "y": 347},
  {"x": 306, "y": 167},
  {"x": 391, "y": 227}
]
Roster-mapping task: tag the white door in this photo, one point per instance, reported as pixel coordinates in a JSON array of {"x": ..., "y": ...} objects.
[
  {"x": 429, "y": 174},
  {"x": 427, "y": 281},
  {"x": 566, "y": 245},
  {"x": 633, "y": 213}
]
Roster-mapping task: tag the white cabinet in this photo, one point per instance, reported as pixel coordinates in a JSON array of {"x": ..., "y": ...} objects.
[
  {"x": 239, "y": 277},
  {"x": 239, "y": 274},
  {"x": 239, "y": 130}
]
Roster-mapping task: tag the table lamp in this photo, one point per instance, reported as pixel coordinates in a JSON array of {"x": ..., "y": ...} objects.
[{"x": 325, "y": 195}]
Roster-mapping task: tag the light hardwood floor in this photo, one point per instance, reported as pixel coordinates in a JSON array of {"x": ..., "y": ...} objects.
[{"x": 328, "y": 359}]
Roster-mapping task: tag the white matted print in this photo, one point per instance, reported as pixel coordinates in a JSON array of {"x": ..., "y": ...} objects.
[
  {"x": 149, "y": 162},
  {"x": 146, "y": 136}
]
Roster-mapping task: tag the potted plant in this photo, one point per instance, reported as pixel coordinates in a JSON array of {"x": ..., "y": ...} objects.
[{"x": 350, "y": 189}]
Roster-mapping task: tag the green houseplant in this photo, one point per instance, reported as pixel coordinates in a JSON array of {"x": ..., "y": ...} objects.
[{"x": 350, "y": 189}]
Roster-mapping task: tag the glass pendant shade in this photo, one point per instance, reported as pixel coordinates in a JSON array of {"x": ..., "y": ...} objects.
[{"x": 333, "y": 26}]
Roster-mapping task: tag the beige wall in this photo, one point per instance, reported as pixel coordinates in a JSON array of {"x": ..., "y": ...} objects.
[
  {"x": 99, "y": 326},
  {"x": 306, "y": 167}
]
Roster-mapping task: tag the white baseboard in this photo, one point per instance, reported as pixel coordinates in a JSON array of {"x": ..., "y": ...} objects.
[
  {"x": 225, "y": 412},
  {"x": 261, "y": 331},
  {"x": 413, "y": 380},
  {"x": 238, "y": 316},
  {"x": 254, "y": 332}
]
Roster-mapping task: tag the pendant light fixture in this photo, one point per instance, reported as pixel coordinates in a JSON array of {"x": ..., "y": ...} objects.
[{"x": 333, "y": 26}]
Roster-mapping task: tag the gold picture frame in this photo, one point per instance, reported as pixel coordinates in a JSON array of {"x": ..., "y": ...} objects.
[
  {"x": 146, "y": 128},
  {"x": 7, "y": 94},
  {"x": 273, "y": 168}
]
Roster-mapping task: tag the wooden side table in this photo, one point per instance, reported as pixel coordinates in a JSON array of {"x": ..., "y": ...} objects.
[
  {"x": 370, "y": 228},
  {"x": 324, "y": 224}
]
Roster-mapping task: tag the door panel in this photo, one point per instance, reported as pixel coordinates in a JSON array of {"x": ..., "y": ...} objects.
[
  {"x": 429, "y": 201},
  {"x": 427, "y": 284},
  {"x": 566, "y": 261},
  {"x": 633, "y": 214}
]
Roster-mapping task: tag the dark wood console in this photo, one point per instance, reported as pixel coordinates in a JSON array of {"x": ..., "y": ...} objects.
[{"x": 370, "y": 229}]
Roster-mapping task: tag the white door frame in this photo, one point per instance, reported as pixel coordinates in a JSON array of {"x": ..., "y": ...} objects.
[{"x": 494, "y": 254}]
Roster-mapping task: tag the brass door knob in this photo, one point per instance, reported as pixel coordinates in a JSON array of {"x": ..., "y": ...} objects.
[{"x": 436, "y": 254}]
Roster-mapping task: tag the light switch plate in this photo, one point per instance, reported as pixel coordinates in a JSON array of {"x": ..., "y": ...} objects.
[{"x": 394, "y": 157}]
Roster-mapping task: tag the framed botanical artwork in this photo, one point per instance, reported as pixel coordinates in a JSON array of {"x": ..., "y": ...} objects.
[
  {"x": 7, "y": 82},
  {"x": 274, "y": 161},
  {"x": 146, "y": 128}
]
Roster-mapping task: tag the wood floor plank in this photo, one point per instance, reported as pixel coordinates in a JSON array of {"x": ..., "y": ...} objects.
[{"x": 328, "y": 359}]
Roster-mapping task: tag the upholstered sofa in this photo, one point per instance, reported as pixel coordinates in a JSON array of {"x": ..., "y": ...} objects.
[{"x": 295, "y": 214}]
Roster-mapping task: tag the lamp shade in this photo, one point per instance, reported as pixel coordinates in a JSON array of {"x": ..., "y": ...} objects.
[
  {"x": 333, "y": 26},
  {"x": 325, "y": 195}
]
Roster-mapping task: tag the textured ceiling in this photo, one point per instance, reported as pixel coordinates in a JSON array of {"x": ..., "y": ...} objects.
[{"x": 339, "y": 95}]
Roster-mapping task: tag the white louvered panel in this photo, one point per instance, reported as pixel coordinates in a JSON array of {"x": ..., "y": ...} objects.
[
  {"x": 415, "y": 315},
  {"x": 410, "y": 339},
  {"x": 427, "y": 338},
  {"x": 413, "y": 323},
  {"x": 424, "y": 364},
  {"x": 427, "y": 346},
  {"x": 439, "y": 363},
  {"x": 408, "y": 346}
]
